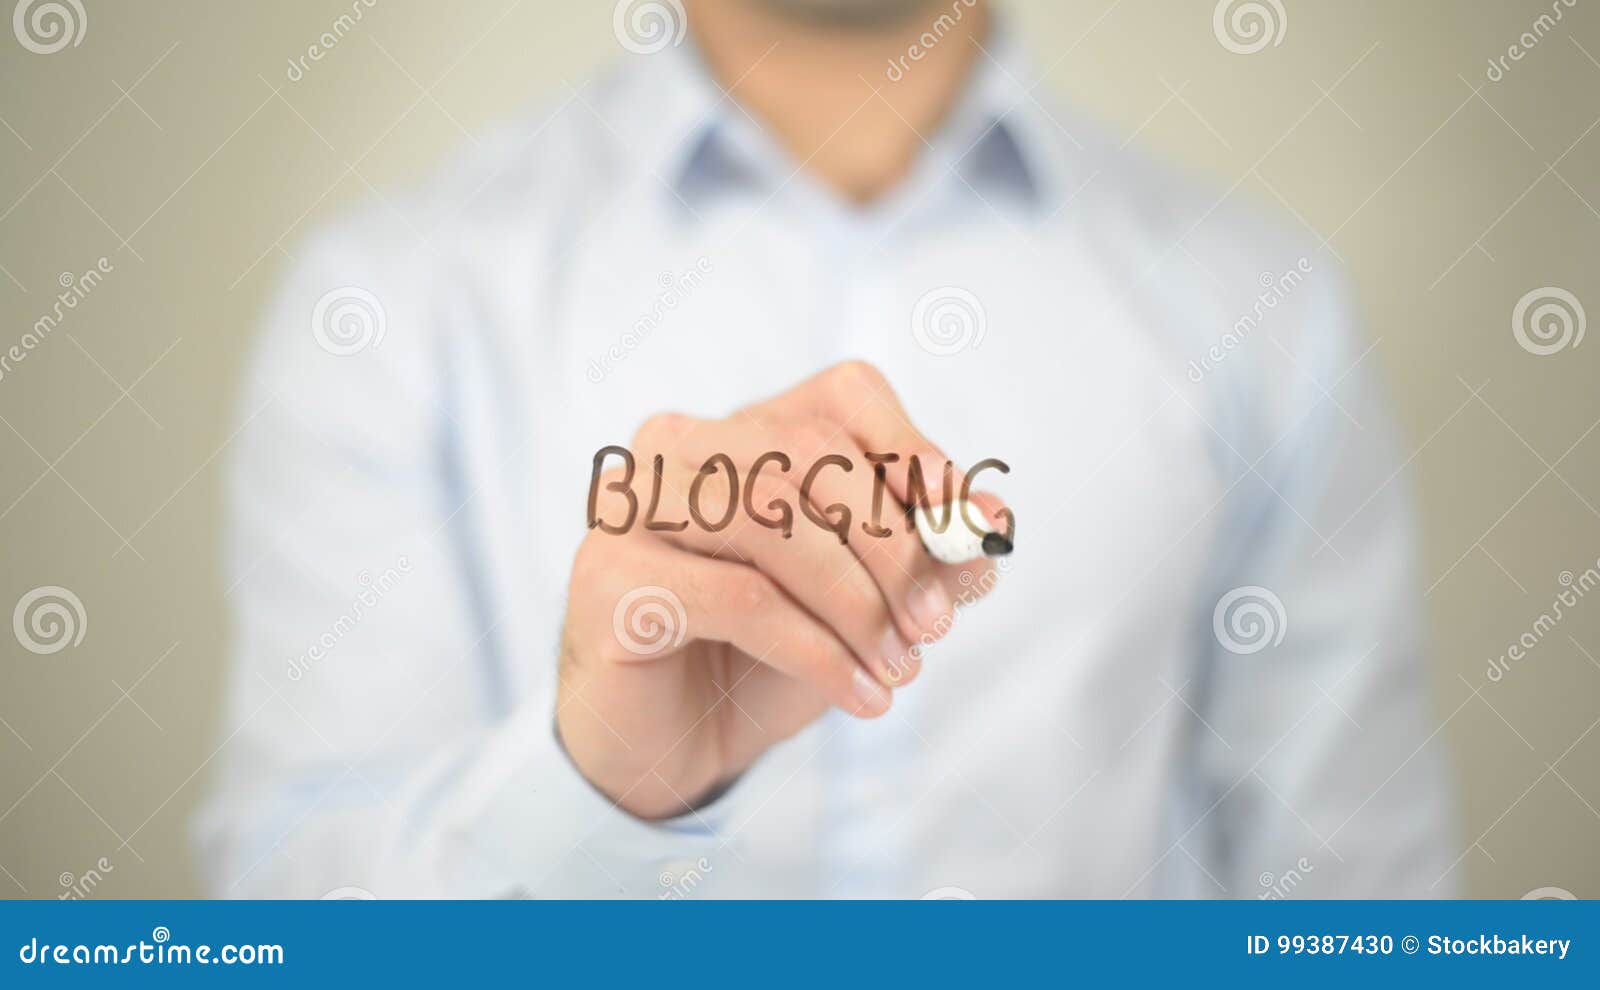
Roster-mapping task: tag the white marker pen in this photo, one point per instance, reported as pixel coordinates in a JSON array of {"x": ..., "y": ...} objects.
[{"x": 966, "y": 537}]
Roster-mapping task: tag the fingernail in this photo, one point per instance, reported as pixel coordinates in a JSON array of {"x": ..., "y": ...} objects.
[
  {"x": 929, "y": 608},
  {"x": 898, "y": 658},
  {"x": 872, "y": 697}
]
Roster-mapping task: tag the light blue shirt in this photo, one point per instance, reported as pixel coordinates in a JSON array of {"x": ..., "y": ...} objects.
[{"x": 1202, "y": 672}]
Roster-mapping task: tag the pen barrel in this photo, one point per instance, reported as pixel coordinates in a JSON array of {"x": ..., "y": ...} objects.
[{"x": 953, "y": 533}]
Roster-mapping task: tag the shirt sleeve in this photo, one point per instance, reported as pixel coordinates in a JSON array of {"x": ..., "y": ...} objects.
[
  {"x": 373, "y": 741},
  {"x": 1317, "y": 766}
]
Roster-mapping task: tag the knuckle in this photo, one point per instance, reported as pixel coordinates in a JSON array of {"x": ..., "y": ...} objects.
[
  {"x": 590, "y": 564},
  {"x": 809, "y": 439},
  {"x": 749, "y": 591},
  {"x": 768, "y": 488},
  {"x": 604, "y": 567},
  {"x": 857, "y": 374},
  {"x": 898, "y": 565},
  {"x": 862, "y": 602},
  {"x": 661, "y": 429},
  {"x": 904, "y": 546},
  {"x": 902, "y": 564}
]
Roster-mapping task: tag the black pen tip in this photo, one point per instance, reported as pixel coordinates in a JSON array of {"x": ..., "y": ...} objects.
[{"x": 996, "y": 544}]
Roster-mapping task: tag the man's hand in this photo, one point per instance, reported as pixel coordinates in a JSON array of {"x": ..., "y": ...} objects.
[{"x": 773, "y": 630}]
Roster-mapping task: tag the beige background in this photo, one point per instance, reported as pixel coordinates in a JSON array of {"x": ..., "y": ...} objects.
[{"x": 170, "y": 142}]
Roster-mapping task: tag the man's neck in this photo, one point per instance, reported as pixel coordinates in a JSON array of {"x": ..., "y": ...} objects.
[{"x": 811, "y": 83}]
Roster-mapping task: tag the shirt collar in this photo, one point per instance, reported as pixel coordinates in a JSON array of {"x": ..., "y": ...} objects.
[{"x": 699, "y": 142}]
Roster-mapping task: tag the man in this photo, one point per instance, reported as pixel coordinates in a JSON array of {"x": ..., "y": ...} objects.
[{"x": 819, "y": 228}]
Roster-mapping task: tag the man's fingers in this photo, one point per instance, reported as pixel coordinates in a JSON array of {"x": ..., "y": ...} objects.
[
  {"x": 842, "y": 414},
  {"x": 665, "y": 597},
  {"x": 857, "y": 398},
  {"x": 878, "y": 536},
  {"x": 811, "y": 566}
]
